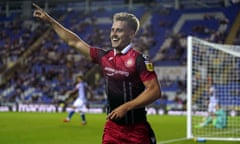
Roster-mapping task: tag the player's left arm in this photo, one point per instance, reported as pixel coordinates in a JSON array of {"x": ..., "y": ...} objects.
[{"x": 151, "y": 93}]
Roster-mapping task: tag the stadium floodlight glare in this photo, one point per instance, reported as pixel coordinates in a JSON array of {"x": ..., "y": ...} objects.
[{"x": 219, "y": 64}]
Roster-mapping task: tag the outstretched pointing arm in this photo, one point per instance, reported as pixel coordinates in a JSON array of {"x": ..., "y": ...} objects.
[{"x": 65, "y": 34}]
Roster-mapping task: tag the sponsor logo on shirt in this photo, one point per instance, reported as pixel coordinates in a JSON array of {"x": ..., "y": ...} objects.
[{"x": 112, "y": 72}]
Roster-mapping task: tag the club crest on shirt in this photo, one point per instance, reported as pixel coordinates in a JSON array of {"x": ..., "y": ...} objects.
[
  {"x": 129, "y": 62},
  {"x": 148, "y": 63}
]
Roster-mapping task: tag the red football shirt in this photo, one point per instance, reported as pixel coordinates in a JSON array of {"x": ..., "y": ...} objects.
[{"x": 124, "y": 74}]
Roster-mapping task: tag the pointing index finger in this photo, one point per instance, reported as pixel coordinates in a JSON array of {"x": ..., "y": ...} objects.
[{"x": 36, "y": 6}]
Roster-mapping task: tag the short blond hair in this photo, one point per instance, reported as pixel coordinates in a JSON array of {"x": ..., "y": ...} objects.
[{"x": 132, "y": 21}]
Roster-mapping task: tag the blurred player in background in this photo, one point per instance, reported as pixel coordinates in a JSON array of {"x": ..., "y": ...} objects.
[
  {"x": 80, "y": 103},
  {"x": 212, "y": 103},
  {"x": 131, "y": 82},
  {"x": 220, "y": 118}
]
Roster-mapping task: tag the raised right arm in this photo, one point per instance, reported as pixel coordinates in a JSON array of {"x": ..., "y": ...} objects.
[{"x": 65, "y": 34}]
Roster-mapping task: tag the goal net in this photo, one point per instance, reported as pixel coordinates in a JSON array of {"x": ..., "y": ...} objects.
[{"x": 213, "y": 90}]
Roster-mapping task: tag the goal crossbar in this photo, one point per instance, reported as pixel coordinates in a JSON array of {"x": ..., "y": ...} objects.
[{"x": 220, "y": 63}]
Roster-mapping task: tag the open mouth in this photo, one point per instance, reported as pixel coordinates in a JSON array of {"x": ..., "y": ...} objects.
[{"x": 114, "y": 39}]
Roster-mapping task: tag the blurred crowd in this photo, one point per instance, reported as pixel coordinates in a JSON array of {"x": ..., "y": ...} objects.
[{"x": 49, "y": 71}]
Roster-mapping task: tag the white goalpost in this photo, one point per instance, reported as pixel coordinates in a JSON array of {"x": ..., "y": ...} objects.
[{"x": 220, "y": 65}]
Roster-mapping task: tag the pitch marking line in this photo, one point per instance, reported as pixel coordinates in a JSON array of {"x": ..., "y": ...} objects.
[{"x": 172, "y": 140}]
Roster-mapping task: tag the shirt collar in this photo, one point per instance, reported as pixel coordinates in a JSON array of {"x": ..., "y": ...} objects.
[{"x": 125, "y": 50}]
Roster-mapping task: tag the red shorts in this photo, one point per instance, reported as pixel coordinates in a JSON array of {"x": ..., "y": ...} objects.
[{"x": 126, "y": 134}]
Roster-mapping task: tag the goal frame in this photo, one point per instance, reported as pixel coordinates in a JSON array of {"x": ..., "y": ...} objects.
[{"x": 189, "y": 128}]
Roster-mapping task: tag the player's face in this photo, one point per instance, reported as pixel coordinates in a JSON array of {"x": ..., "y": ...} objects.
[
  {"x": 79, "y": 79},
  {"x": 120, "y": 35}
]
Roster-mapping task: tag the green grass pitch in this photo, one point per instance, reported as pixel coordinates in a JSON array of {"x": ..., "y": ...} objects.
[{"x": 48, "y": 128}]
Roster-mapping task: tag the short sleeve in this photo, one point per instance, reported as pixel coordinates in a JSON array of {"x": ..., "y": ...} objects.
[
  {"x": 94, "y": 53},
  {"x": 145, "y": 68}
]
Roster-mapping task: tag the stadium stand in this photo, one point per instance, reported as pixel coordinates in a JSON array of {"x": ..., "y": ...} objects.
[{"x": 46, "y": 72}]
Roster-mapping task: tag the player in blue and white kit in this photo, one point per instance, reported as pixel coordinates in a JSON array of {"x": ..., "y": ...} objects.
[
  {"x": 213, "y": 100},
  {"x": 80, "y": 103}
]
